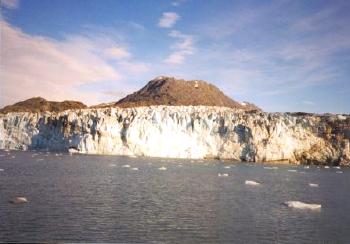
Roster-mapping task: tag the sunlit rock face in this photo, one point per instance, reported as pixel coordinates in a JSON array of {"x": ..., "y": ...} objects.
[{"x": 183, "y": 132}]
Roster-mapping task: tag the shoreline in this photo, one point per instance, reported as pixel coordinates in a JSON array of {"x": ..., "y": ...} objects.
[{"x": 197, "y": 160}]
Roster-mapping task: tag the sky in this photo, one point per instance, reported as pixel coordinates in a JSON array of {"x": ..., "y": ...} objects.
[{"x": 285, "y": 55}]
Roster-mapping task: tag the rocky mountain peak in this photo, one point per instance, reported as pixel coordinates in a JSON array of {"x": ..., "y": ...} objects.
[{"x": 164, "y": 90}]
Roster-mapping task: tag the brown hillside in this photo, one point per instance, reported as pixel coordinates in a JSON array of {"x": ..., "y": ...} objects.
[
  {"x": 38, "y": 104},
  {"x": 171, "y": 91}
]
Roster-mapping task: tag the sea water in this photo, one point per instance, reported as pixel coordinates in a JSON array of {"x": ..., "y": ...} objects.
[{"x": 87, "y": 198}]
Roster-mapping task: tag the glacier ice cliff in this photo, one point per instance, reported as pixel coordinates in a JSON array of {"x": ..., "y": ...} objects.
[{"x": 183, "y": 132}]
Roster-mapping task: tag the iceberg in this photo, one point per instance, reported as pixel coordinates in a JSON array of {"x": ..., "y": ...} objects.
[
  {"x": 19, "y": 200},
  {"x": 302, "y": 205},
  {"x": 252, "y": 183}
]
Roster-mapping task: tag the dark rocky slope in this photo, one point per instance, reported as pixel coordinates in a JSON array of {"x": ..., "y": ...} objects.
[
  {"x": 177, "y": 92},
  {"x": 39, "y": 104}
]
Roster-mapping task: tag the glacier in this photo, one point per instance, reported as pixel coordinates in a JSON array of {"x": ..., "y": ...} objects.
[{"x": 195, "y": 132}]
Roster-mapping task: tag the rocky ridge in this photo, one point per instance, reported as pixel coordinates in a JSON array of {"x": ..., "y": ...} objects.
[{"x": 39, "y": 104}]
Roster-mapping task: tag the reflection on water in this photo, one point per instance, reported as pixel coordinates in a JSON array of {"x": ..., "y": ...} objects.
[{"x": 105, "y": 199}]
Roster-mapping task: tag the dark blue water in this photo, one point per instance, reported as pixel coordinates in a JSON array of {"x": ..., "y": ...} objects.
[{"x": 85, "y": 198}]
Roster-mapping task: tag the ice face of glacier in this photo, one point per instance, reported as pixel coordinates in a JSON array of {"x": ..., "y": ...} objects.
[{"x": 182, "y": 132}]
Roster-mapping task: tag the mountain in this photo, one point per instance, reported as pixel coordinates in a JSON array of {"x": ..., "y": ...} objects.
[
  {"x": 177, "y": 92},
  {"x": 39, "y": 104}
]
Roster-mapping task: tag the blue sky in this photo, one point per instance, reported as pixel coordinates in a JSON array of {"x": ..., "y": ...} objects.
[{"x": 281, "y": 55}]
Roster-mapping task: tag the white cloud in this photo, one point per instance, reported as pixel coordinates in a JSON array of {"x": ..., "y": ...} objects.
[
  {"x": 183, "y": 48},
  {"x": 178, "y": 2},
  {"x": 168, "y": 19},
  {"x": 117, "y": 53},
  {"x": 56, "y": 70},
  {"x": 133, "y": 68},
  {"x": 10, "y": 4}
]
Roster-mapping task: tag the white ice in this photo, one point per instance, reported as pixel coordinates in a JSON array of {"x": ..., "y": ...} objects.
[
  {"x": 302, "y": 205},
  {"x": 252, "y": 183}
]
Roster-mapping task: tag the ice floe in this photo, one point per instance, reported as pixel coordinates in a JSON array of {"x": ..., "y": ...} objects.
[
  {"x": 112, "y": 165},
  {"x": 302, "y": 205},
  {"x": 307, "y": 167},
  {"x": 162, "y": 168},
  {"x": 326, "y": 167},
  {"x": 227, "y": 167},
  {"x": 1, "y": 170},
  {"x": 339, "y": 172},
  {"x": 126, "y": 166},
  {"x": 313, "y": 185},
  {"x": 252, "y": 183},
  {"x": 222, "y": 175},
  {"x": 18, "y": 200},
  {"x": 267, "y": 167},
  {"x": 292, "y": 170},
  {"x": 135, "y": 168}
]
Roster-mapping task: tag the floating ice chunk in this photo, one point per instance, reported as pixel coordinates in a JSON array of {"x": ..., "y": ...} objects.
[
  {"x": 292, "y": 170},
  {"x": 227, "y": 167},
  {"x": 40, "y": 159},
  {"x": 267, "y": 167},
  {"x": 302, "y": 205},
  {"x": 135, "y": 168},
  {"x": 307, "y": 167},
  {"x": 162, "y": 168},
  {"x": 339, "y": 172},
  {"x": 336, "y": 167},
  {"x": 126, "y": 166},
  {"x": 252, "y": 183},
  {"x": 2, "y": 155},
  {"x": 18, "y": 200},
  {"x": 313, "y": 185},
  {"x": 112, "y": 165},
  {"x": 326, "y": 167},
  {"x": 1, "y": 170},
  {"x": 222, "y": 175}
]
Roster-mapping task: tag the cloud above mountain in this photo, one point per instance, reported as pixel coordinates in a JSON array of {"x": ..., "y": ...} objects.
[
  {"x": 168, "y": 19},
  {"x": 40, "y": 66}
]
